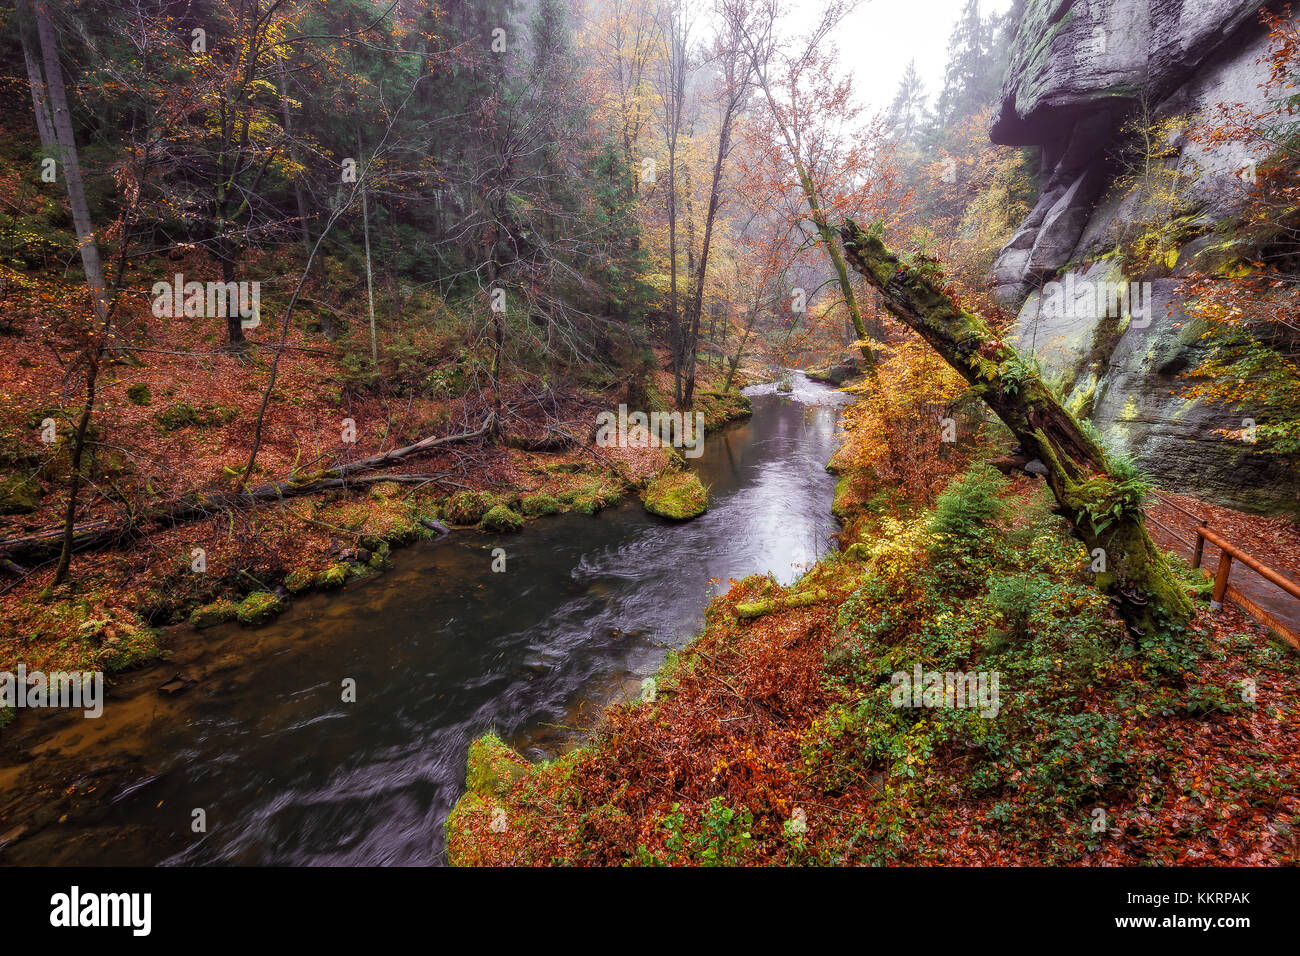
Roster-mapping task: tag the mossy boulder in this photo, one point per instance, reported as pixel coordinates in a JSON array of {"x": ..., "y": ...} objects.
[
  {"x": 501, "y": 518},
  {"x": 258, "y": 607},
  {"x": 469, "y": 507},
  {"x": 184, "y": 415},
  {"x": 535, "y": 505},
  {"x": 333, "y": 577},
  {"x": 679, "y": 495},
  {"x": 493, "y": 767},
  {"x": 218, "y": 612},
  {"x": 19, "y": 494},
  {"x": 591, "y": 493}
]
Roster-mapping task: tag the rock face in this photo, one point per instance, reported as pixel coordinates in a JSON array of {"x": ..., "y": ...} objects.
[{"x": 1078, "y": 70}]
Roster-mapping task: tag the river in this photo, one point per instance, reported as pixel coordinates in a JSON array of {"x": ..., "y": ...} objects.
[{"x": 441, "y": 649}]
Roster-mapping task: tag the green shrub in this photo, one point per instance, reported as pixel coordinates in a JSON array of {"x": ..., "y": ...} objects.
[{"x": 969, "y": 504}]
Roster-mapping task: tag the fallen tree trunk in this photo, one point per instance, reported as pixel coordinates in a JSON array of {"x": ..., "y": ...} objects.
[
  {"x": 756, "y": 609},
  {"x": 1105, "y": 510},
  {"x": 99, "y": 533}
]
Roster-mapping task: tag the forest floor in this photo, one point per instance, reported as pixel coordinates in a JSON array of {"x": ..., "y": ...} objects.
[
  {"x": 180, "y": 424},
  {"x": 773, "y": 738}
]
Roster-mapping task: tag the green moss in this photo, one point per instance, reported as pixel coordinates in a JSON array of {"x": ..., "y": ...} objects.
[
  {"x": 719, "y": 408},
  {"x": 184, "y": 415},
  {"x": 540, "y": 504},
  {"x": 258, "y": 607},
  {"x": 138, "y": 394},
  {"x": 19, "y": 494},
  {"x": 676, "y": 495},
  {"x": 839, "y": 505},
  {"x": 469, "y": 507},
  {"x": 299, "y": 579},
  {"x": 492, "y": 767},
  {"x": 333, "y": 577},
  {"x": 218, "y": 612},
  {"x": 501, "y": 518},
  {"x": 591, "y": 493}
]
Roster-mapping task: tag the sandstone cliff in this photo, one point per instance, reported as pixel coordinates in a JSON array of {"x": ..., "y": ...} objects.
[{"x": 1079, "y": 70}]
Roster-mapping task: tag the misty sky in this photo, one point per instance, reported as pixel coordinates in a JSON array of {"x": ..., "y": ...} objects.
[{"x": 878, "y": 39}]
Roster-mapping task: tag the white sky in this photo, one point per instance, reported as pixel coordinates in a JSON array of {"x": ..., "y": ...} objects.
[{"x": 876, "y": 41}]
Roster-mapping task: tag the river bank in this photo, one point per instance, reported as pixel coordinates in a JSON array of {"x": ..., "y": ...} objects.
[
  {"x": 249, "y": 724},
  {"x": 247, "y": 564},
  {"x": 775, "y": 737}
]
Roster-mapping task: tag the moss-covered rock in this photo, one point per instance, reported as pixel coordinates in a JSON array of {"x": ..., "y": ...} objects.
[
  {"x": 333, "y": 577},
  {"x": 469, "y": 507},
  {"x": 184, "y": 415},
  {"x": 677, "y": 495},
  {"x": 218, "y": 612},
  {"x": 19, "y": 494},
  {"x": 501, "y": 518},
  {"x": 493, "y": 767},
  {"x": 258, "y": 607},
  {"x": 540, "y": 504},
  {"x": 589, "y": 494}
]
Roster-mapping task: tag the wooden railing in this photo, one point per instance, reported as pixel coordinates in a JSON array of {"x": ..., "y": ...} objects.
[{"x": 1228, "y": 552}]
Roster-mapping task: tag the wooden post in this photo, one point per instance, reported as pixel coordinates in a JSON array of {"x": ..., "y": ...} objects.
[
  {"x": 1199, "y": 551},
  {"x": 1221, "y": 579}
]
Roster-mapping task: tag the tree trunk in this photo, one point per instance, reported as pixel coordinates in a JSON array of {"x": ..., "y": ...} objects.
[
  {"x": 696, "y": 305},
  {"x": 1104, "y": 510},
  {"x": 78, "y": 452},
  {"x": 40, "y": 101},
  {"x": 100, "y": 533},
  {"x": 71, "y": 165},
  {"x": 234, "y": 324}
]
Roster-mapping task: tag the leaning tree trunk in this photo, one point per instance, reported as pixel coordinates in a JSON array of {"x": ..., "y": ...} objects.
[{"x": 1104, "y": 510}]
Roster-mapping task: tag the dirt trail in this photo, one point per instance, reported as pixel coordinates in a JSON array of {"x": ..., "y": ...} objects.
[{"x": 1273, "y": 541}]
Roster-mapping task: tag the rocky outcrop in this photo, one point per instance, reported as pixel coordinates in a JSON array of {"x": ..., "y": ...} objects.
[{"x": 1078, "y": 70}]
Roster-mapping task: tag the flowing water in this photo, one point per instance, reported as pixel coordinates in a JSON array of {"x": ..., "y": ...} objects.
[{"x": 441, "y": 648}]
